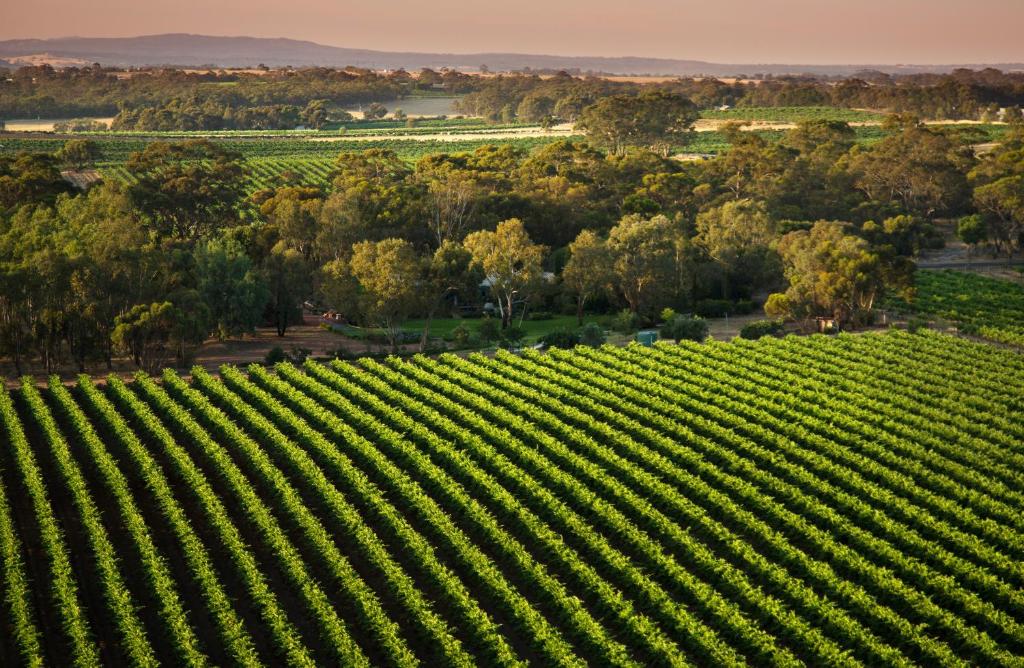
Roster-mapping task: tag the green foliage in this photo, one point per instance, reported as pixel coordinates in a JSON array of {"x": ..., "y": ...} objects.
[
  {"x": 592, "y": 334},
  {"x": 971, "y": 230},
  {"x": 230, "y": 287},
  {"x": 989, "y": 307},
  {"x": 657, "y": 120},
  {"x": 562, "y": 338},
  {"x": 489, "y": 329},
  {"x": 701, "y": 440},
  {"x": 512, "y": 336},
  {"x": 626, "y": 321},
  {"x": 759, "y": 328},
  {"x": 684, "y": 328}
]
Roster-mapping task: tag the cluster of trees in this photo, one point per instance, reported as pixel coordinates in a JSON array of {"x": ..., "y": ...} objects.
[
  {"x": 145, "y": 270},
  {"x": 153, "y": 267},
  {"x": 962, "y": 94},
  {"x": 43, "y": 91},
  {"x": 197, "y": 114}
]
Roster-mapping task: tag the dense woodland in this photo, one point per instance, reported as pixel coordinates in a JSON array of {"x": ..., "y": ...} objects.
[
  {"x": 815, "y": 225},
  {"x": 46, "y": 92},
  {"x": 163, "y": 99},
  {"x": 963, "y": 94}
]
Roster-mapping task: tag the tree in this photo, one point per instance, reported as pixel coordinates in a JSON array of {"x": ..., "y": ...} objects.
[
  {"x": 834, "y": 274},
  {"x": 919, "y": 170},
  {"x": 446, "y": 274},
  {"x": 681, "y": 327},
  {"x": 154, "y": 333},
  {"x": 79, "y": 153},
  {"x": 510, "y": 261},
  {"x": 286, "y": 275},
  {"x": 373, "y": 198},
  {"x": 294, "y": 211},
  {"x": 643, "y": 259},
  {"x": 589, "y": 269},
  {"x": 315, "y": 115},
  {"x": 375, "y": 110},
  {"x": 30, "y": 178},
  {"x": 452, "y": 195},
  {"x": 1001, "y": 203},
  {"x": 145, "y": 332},
  {"x": 738, "y": 237},
  {"x": 657, "y": 119},
  {"x": 971, "y": 230},
  {"x": 187, "y": 190},
  {"x": 388, "y": 273},
  {"x": 230, "y": 287}
]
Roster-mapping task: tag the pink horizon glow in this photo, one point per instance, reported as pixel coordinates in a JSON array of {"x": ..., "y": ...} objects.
[{"x": 727, "y": 31}]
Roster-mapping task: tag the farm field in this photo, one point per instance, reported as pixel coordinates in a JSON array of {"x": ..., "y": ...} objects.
[
  {"x": 793, "y": 114},
  {"x": 989, "y": 307},
  {"x": 849, "y": 500}
]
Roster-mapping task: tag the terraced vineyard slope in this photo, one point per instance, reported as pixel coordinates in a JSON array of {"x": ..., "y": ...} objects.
[{"x": 848, "y": 500}]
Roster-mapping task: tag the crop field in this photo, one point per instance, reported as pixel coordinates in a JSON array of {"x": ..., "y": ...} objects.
[
  {"x": 847, "y": 500},
  {"x": 989, "y": 307},
  {"x": 792, "y": 114}
]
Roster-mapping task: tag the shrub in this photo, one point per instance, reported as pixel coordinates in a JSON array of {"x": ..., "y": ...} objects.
[
  {"x": 489, "y": 329},
  {"x": 682, "y": 327},
  {"x": 714, "y": 308},
  {"x": 512, "y": 336},
  {"x": 541, "y": 315},
  {"x": 562, "y": 338},
  {"x": 625, "y": 321},
  {"x": 667, "y": 314},
  {"x": 592, "y": 334},
  {"x": 461, "y": 335},
  {"x": 275, "y": 355},
  {"x": 778, "y": 305},
  {"x": 759, "y": 328}
]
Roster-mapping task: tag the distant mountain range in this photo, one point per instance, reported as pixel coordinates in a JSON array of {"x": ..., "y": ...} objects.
[{"x": 200, "y": 50}]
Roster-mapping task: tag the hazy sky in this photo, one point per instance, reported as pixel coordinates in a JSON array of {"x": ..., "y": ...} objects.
[{"x": 737, "y": 31}]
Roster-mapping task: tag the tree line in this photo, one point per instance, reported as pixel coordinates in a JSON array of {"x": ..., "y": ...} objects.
[
  {"x": 815, "y": 225},
  {"x": 962, "y": 94},
  {"x": 43, "y": 91}
]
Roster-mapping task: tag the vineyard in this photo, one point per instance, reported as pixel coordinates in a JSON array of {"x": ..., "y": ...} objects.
[
  {"x": 989, "y": 307},
  {"x": 847, "y": 500},
  {"x": 793, "y": 114}
]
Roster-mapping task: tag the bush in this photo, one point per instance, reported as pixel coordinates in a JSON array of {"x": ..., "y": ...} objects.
[
  {"x": 562, "y": 338},
  {"x": 592, "y": 334},
  {"x": 275, "y": 355},
  {"x": 625, "y": 321},
  {"x": 759, "y": 328},
  {"x": 683, "y": 327},
  {"x": 489, "y": 329},
  {"x": 668, "y": 314},
  {"x": 541, "y": 315},
  {"x": 743, "y": 307},
  {"x": 512, "y": 336},
  {"x": 778, "y": 305},
  {"x": 461, "y": 335},
  {"x": 712, "y": 308}
]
